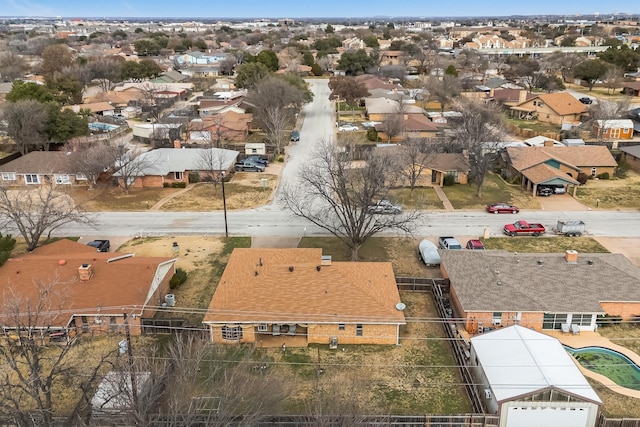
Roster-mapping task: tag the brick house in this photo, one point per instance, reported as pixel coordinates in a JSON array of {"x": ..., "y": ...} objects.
[
  {"x": 85, "y": 289},
  {"x": 39, "y": 167},
  {"x": 556, "y": 165},
  {"x": 435, "y": 168},
  {"x": 632, "y": 156},
  {"x": 556, "y": 108},
  {"x": 541, "y": 291},
  {"x": 267, "y": 294},
  {"x": 168, "y": 165}
]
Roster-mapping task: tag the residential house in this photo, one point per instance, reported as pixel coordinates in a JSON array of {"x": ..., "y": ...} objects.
[
  {"x": 372, "y": 82},
  {"x": 392, "y": 57},
  {"x": 228, "y": 125},
  {"x": 39, "y": 167},
  {"x": 275, "y": 294},
  {"x": 631, "y": 155},
  {"x": 379, "y": 109},
  {"x": 353, "y": 43},
  {"x": 556, "y": 165},
  {"x": 631, "y": 88},
  {"x": 433, "y": 167},
  {"x": 509, "y": 97},
  {"x": 557, "y": 108},
  {"x": 415, "y": 125},
  {"x": 541, "y": 291},
  {"x": 200, "y": 58},
  {"x": 528, "y": 379},
  {"x": 164, "y": 166},
  {"x": 86, "y": 290},
  {"x": 97, "y": 108},
  {"x": 613, "y": 129},
  {"x": 171, "y": 76}
]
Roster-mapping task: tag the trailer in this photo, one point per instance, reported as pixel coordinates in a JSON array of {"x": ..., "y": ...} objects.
[{"x": 570, "y": 228}]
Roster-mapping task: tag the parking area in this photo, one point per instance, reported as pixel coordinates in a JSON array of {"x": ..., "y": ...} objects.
[{"x": 561, "y": 202}]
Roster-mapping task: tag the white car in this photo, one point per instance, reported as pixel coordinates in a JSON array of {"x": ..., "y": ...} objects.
[
  {"x": 428, "y": 252},
  {"x": 369, "y": 124},
  {"x": 384, "y": 207},
  {"x": 348, "y": 128}
]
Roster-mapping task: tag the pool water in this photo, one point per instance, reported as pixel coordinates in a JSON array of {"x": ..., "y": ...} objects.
[
  {"x": 104, "y": 127},
  {"x": 613, "y": 365}
]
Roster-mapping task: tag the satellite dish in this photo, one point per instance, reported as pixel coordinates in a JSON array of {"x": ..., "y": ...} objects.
[{"x": 400, "y": 306}]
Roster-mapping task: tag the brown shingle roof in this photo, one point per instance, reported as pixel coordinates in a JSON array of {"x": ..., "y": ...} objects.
[
  {"x": 504, "y": 281},
  {"x": 563, "y": 103},
  {"x": 584, "y": 156},
  {"x": 543, "y": 172},
  {"x": 40, "y": 162},
  {"x": 419, "y": 122},
  {"x": 258, "y": 286},
  {"x": 114, "y": 285}
]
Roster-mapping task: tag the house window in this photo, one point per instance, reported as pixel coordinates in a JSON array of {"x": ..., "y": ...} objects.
[
  {"x": 179, "y": 176},
  {"x": 359, "y": 330},
  {"x": 62, "y": 179},
  {"x": 32, "y": 179},
  {"x": 232, "y": 334},
  {"x": 496, "y": 318},
  {"x": 454, "y": 174},
  {"x": 262, "y": 327},
  {"x": 553, "y": 321},
  {"x": 8, "y": 176},
  {"x": 341, "y": 326},
  {"x": 254, "y": 151},
  {"x": 81, "y": 177},
  {"x": 593, "y": 171},
  {"x": 581, "y": 319}
]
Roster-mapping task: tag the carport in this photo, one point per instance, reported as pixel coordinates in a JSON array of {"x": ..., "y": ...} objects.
[{"x": 544, "y": 174}]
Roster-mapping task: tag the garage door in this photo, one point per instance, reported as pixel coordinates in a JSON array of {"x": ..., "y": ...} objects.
[{"x": 522, "y": 416}]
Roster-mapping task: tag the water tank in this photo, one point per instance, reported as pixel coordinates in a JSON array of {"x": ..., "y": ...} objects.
[{"x": 170, "y": 299}]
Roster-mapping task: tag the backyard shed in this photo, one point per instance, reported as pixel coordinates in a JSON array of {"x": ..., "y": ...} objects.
[{"x": 529, "y": 379}]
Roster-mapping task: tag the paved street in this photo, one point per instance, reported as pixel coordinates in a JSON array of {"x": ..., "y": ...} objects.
[{"x": 274, "y": 220}]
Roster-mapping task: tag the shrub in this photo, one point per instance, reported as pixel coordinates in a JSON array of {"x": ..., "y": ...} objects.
[
  {"x": 178, "y": 278},
  {"x": 165, "y": 185},
  {"x": 178, "y": 185},
  {"x": 448, "y": 180},
  {"x": 372, "y": 134},
  {"x": 316, "y": 70},
  {"x": 194, "y": 177},
  {"x": 603, "y": 175},
  {"x": 583, "y": 178}
]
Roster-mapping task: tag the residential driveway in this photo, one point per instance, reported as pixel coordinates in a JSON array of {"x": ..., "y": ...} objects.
[
  {"x": 274, "y": 242},
  {"x": 628, "y": 246},
  {"x": 561, "y": 202},
  {"x": 115, "y": 241}
]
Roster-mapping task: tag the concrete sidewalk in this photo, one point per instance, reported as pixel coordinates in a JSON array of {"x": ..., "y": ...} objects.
[{"x": 443, "y": 198}]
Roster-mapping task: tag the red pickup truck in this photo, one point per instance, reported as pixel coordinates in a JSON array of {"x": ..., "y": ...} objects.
[{"x": 523, "y": 228}]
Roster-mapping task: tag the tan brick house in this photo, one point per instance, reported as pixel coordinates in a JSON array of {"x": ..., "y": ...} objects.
[
  {"x": 557, "y": 165},
  {"x": 542, "y": 291},
  {"x": 40, "y": 167},
  {"x": 274, "y": 294},
  {"x": 557, "y": 108}
]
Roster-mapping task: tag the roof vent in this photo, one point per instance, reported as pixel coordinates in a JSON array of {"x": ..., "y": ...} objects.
[
  {"x": 400, "y": 306},
  {"x": 256, "y": 272},
  {"x": 291, "y": 269},
  {"x": 499, "y": 283},
  {"x": 590, "y": 262},
  {"x": 540, "y": 262},
  {"x": 318, "y": 267}
]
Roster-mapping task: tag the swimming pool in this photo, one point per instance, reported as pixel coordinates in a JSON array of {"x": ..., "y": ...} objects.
[
  {"x": 102, "y": 127},
  {"x": 613, "y": 365}
]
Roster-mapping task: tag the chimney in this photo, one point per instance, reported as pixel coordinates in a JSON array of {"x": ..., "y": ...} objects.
[
  {"x": 571, "y": 256},
  {"x": 85, "y": 272},
  {"x": 326, "y": 260},
  {"x": 522, "y": 96},
  {"x": 548, "y": 143},
  {"x": 492, "y": 92},
  {"x": 177, "y": 144}
]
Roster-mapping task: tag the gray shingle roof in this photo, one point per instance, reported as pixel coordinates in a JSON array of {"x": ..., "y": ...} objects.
[
  {"x": 504, "y": 281},
  {"x": 162, "y": 161}
]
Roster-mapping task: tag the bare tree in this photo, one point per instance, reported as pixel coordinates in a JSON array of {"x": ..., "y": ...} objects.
[
  {"x": 393, "y": 124},
  {"x": 32, "y": 371},
  {"x": 212, "y": 160},
  {"x": 128, "y": 165},
  {"x": 605, "y": 111},
  {"x": 12, "y": 66},
  {"x": 414, "y": 157},
  {"x": 443, "y": 90},
  {"x": 90, "y": 160},
  {"x": 27, "y": 123},
  {"x": 335, "y": 194},
  {"x": 36, "y": 212},
  {"x": 348, "y": 89},
  {"x": 276, "y": 102},
  {"x": 613, "y": 78},
  {"x": 477, "y": 132}
]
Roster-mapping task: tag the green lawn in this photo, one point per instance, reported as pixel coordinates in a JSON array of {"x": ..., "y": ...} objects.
[{"x": 494, "y": 190}]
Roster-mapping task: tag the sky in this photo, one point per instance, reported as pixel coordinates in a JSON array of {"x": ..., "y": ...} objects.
[{"x": 309, "y": 8}]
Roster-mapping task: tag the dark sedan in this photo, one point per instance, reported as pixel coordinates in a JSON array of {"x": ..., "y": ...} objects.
[{"x": 497, "y": 208}]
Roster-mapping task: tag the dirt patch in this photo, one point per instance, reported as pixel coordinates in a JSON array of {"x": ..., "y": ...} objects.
[
  {"x": 403, "y": 254},
  {"x": 193, "y": 252}
]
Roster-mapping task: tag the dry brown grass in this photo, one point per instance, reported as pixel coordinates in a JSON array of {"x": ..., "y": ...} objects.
[
  {"x": 109, "y": 198},
  {"x": 615, "y": 193}
]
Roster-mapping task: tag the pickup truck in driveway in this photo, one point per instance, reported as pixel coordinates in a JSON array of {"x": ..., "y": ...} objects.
[
  {"x": 448, "y": 242},
  {"x": 523, "y": 228}
]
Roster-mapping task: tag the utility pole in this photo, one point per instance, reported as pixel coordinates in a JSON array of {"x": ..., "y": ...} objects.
[
  {"x": 224, "y": 206},
  {"x": 132, "y": 373}
]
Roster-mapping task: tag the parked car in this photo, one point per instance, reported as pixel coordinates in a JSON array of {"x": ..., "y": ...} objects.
[
  {"x": 370, "y": 124},
  {"x": 497, "y": 208},
  {"x": 544, "y": 191},
  {"x": 586, "y": 100},
  {"x": 348, "y": 128},
  {"x": 474, "y": 244},
  {"x": 100, "y": 245},
  {"x": 249, "y": 166},
  {"x": 384, "y": 207},
  {"x": 295, "y": 136},
  {"x": 556, "y": 189},
  {"x": 259, "y": 160},
  {"x": 449, "y": 242},
  {"x": 428, "y": 253}
]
